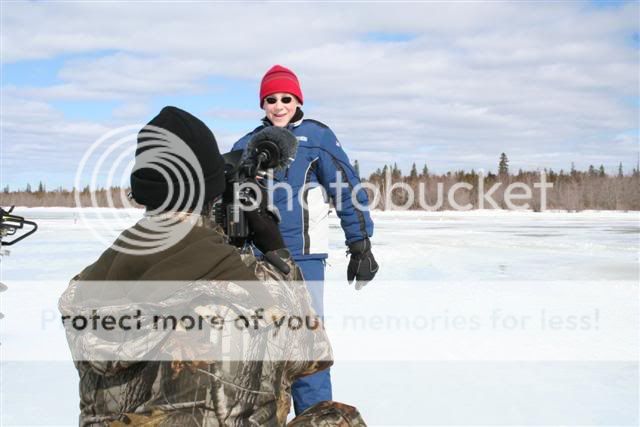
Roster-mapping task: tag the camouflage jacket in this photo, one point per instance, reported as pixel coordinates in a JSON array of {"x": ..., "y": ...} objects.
[{"x": 167, "y": 381}]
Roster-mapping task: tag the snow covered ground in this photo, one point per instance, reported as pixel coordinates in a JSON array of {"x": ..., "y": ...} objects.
[{"x": 481, "y": 317}]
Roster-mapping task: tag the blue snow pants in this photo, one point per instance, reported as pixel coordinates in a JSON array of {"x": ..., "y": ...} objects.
[{"x": 309, "y": 390}]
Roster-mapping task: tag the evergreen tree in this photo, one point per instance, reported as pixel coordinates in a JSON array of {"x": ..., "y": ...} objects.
[
  {"x": 41, "y": 187},
  {"x": 376, "y": 175},
  {"x": 396, "y": 173},
  {"x": 620, "y": 173},
  {"x": 601, "y": 172},
  {"x": 503, "y": 166},
  {"x": 356, "y": 168},
  {"x": 6, "y": 189},
  {"x": 425, "y": 171},
  {"x": 28, "y": 189},
  {"x": 573, "y": 171},
  {"x": 592, "y": 170},
  {"x": 414, "y": 173}
]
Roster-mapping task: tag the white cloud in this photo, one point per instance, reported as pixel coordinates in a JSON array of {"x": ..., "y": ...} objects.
[
  {"x": 471, "y": 79},
  {"x": 233, "y": 114},
  {"x": 37, "y": 138},
  {"x": 136, "y": 111}
]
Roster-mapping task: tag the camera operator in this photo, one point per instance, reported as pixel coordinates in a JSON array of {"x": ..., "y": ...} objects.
[{"x": 190, "y": 389}]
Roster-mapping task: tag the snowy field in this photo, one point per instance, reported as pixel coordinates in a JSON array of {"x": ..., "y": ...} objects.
[{"x": 476, "y": 318}]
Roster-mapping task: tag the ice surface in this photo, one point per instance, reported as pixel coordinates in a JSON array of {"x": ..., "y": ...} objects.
[{"x": 444, "y": 263}]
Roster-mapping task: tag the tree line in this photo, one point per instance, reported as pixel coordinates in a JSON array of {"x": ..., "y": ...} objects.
[
  {"x": 61, "y": 197},
  {"x": 572, "y": 190}
]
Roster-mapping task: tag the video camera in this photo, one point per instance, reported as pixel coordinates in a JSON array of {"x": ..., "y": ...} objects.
[{"x": 271, "y": 148}]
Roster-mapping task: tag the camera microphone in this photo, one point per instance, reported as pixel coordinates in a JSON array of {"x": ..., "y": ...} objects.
[{"x": 272, "y": 147}]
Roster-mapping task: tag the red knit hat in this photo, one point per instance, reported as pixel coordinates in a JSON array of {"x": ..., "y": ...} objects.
[{"x": 279, "y": 79}]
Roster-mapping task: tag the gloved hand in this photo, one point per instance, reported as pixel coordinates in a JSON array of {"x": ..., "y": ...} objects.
[
  {"x": 362, "y": 265},
  {"x": 263, "y": 220},
  {"x": 265, "y": 233}
]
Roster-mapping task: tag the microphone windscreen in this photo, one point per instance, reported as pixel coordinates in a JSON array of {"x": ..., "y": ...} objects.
[{"x": 286, "y": 142}]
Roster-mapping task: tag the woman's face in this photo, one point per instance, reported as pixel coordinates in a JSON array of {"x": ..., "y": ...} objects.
[{"x": 280, "y": 108}]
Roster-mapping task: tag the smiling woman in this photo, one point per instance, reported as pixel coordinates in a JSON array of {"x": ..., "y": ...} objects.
[
  {"x": 280, "y": 95},
  {"x": 280, "y": 108},
  {"x": 320, "y": 168}
]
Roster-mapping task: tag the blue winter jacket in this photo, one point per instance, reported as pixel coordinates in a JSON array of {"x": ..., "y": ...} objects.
[{"x": 319, "y": 161}]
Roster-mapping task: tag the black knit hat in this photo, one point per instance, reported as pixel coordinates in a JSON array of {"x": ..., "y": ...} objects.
[{"x": 170, "y": 149}]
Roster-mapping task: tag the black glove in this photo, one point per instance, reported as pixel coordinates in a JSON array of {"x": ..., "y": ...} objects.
[
  {"x": 362, "y": 266},
  {"x": 264, "y": 230},
  {"x": 265, "y": 233}
]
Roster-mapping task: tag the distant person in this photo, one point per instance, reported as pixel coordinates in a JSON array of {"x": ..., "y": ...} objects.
[{"x": 320, "y": 161}]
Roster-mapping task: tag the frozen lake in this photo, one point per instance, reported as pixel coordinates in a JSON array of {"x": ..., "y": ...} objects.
[{"x": 476, "y": 317}]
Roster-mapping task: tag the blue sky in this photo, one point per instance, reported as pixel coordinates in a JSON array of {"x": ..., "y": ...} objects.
[{"x": 450, "y": 85}]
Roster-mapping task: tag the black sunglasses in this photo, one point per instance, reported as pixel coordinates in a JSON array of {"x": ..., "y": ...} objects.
[{"x": 284, "y": 99}]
